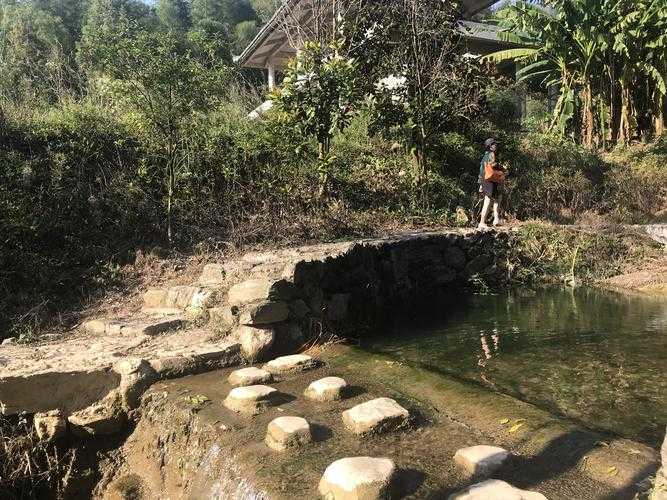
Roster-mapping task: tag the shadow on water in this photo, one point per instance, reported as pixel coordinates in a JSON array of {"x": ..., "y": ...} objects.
[{"x": 560, "y": 456}]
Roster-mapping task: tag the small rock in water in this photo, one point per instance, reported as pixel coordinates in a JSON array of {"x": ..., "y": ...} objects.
[
  {"x": 378, "y": 415},
  {"x": 249, "y": 376},
  {"x": 290, "y": 364},
  {"x": 358, "y": 478},
  {"x": 50, "y": 425},
  {"x": 288, "y": 432},
  {"x": 481, "y": 460},
  {"x": 252, "y": 400},
  {"x": 495, "y": 490},
  {"x": 326, "y": 389}
]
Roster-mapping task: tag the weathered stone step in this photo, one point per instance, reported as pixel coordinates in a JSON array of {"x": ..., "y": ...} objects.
[
  {"x": 378, "y": 415},
  {"x": 178, "y": 298},
  {"x": 134, "y": 326},
  {"x": 284, "y": 433},
  {"x": 495, "y": 489},
  {"x": 252, "y": 400},
  {"x": 358, "y": 478},
  {"x": 290, "y": 364}
]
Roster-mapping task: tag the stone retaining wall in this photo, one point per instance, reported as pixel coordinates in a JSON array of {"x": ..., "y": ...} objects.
[{"x": 352, "y": 287}]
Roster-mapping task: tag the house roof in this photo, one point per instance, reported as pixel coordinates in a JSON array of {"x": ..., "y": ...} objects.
[{"x": 272, "y": 43}]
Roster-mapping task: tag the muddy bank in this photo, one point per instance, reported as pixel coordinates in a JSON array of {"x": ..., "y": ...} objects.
[{"x": 188, "y": 445}]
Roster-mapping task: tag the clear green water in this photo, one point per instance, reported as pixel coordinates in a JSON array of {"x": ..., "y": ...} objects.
[{"x": 597, "y": 357}]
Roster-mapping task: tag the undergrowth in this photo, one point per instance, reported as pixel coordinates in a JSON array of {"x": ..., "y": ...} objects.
[{"x": 31, "y": 468}]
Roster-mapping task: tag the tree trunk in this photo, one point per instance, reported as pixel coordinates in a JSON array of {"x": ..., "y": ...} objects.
[
  {"x": 587, "y": 117},
  {"x": 628, "y": 120},
  {"x": 659, "y": 117}
]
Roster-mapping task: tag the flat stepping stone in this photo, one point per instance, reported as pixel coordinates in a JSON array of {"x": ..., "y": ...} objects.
[
  {"x": 374, "y": 416},
  {"x": 358, "y": 478},
  {"x": 290, "y": 364},
  {"x": 495, "y": 490},
  {"x": 481, "y": 460},
  {"x": 288, "y": 432},
  {"x": 326, "y": 389},
  {"x": 249, "y": 376},
  {"x": 252, "y": 400}
]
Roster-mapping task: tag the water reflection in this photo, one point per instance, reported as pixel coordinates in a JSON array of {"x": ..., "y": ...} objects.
[{"x": 594, "y": 356}]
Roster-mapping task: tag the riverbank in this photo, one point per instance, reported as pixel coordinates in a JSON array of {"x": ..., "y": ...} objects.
[
  {"x": 207, "y": 315},
  {"x": 188, "y": 419}
]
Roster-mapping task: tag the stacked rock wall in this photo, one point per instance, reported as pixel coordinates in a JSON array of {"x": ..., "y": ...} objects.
[{"x": 349, "y": 288}]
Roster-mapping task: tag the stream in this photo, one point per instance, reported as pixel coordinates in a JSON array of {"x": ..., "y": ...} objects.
[{"x": 594, "y": 356}]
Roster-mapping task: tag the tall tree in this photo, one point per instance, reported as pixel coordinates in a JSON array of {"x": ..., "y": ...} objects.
[
  {"x": 34, "y": 48},
  {"x": 159, "y": 74},
  {"x": 428, "y": 86},
  {"x": 173, "y": 14}
]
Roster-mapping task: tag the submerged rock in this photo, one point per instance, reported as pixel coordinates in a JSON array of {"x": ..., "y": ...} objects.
[
  {"x": 288, "y": 432},
  {"x": 326, "y": 389},
  {"x": 358, "y": 478},
  {"x": 378, "y": 415},
  {"x": 481, "y": 460},
  {"x": 495, "y": 490}
]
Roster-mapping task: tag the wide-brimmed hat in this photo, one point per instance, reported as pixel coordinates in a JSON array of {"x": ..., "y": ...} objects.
[{"x": 490, "y": 142}]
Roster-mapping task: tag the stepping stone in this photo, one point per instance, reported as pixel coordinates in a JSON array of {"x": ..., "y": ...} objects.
[
  {"x": 378, "y": 415},
  {"x": 253, "y": 399},
  {"x": 495, "y": 490},
  {"x": 326, "y": 389},
  {"x": 249, "y": 376},
  {"x": 288, "y": 432},
  {"x": 358, "y": 478},
  {"x": 481, "y": 460},
  {"x": 290, "y": 364}
]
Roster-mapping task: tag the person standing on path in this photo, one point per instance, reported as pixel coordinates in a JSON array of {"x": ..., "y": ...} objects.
[{"x": 491, "y": 177}]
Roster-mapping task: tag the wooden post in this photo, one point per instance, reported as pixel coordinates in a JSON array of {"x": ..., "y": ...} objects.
[{"x": 271, "y": 69}]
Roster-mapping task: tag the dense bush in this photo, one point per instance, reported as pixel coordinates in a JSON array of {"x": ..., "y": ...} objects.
[{"x": 81, "y": 191}]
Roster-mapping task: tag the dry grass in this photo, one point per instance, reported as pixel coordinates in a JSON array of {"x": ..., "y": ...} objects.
[{"x": 29, "y": 467}]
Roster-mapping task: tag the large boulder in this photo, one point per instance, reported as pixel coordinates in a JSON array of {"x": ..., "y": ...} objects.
[{"x": 358, "y": 478}]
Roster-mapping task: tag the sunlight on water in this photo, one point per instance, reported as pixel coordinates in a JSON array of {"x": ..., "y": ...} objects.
[{"x": 595, "y": 356}]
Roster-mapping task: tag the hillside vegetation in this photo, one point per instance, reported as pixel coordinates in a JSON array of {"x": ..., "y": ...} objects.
[{"x": 123, "y": 128}]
